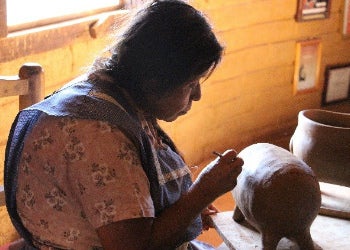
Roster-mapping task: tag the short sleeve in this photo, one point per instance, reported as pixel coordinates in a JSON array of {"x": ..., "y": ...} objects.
[{"x": 106, "y": 174}]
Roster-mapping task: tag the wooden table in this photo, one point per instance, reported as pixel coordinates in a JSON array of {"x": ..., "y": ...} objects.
[{"x": 328, "y": 233}]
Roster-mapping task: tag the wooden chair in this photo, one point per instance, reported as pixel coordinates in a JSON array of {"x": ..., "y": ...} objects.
[{"x": 28, "y": 84}]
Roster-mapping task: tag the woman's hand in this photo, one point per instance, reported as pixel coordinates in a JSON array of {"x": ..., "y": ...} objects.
[
  {"x": 220, "y": 176},
  {"x": 206, "y": 221}
]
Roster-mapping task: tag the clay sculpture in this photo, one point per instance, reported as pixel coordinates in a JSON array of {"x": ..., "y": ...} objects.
[{"x": 278, "y": 194}]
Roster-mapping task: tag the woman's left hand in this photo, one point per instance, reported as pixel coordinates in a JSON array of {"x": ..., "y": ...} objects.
[{"x": 206, "y": 221}]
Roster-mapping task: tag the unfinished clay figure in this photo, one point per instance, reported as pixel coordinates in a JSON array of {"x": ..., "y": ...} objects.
[{"x": 278, "y": 194}]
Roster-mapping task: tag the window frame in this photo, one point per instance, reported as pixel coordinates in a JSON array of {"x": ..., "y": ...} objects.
[
  {"x": 24, "y": 43},
  {"x": 5, "y": 30}
]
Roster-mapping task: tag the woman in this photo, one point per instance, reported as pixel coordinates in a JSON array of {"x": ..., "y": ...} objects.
[{"x": 90, "y": 168}]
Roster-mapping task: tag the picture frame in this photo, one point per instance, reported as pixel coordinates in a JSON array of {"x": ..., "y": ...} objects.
[
  {"x": 337, "y": 84},
  {"x": 308, "y": 10},
  {"x": 307, "y": 66},
  {"x": 346, "y": 22}
]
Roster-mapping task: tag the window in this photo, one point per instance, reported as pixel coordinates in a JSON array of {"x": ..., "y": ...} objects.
[{"x": 24, "y": 14}]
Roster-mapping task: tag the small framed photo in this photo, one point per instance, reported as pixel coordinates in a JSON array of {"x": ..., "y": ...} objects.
[
  {"x": 307, "y": 66},
  {"x": 312, "y": 9},
  {"x": 337, "y": 84},
  {"x": 346, "y": 23}
]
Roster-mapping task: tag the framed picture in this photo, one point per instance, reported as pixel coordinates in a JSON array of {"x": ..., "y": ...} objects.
[
  {"x": 307, "y": 66},
  {"x": 346, "y": 23},
  {"x": 312, "y": 9},
  {"x": 337, "y": 84}
]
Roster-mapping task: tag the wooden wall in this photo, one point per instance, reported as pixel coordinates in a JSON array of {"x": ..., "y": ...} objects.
[{"x": 248, "y": 99}]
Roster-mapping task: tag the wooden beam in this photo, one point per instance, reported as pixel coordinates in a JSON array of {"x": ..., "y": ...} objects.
[
  {"x": 3, "y": 19},
  {"x": 2, "y": 196},
  {"x": 61, "y": 34}
]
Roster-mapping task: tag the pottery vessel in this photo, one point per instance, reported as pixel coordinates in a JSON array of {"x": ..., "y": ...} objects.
[
  {"x": 278, "y": 194},
  {"x": 322, "y": 140}
]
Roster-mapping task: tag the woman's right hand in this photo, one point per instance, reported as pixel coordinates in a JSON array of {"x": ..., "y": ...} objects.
[{"x": 220, "y": 176}]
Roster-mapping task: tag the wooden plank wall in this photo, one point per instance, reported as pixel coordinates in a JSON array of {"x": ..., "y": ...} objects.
[{"x": 249, "y": 98}]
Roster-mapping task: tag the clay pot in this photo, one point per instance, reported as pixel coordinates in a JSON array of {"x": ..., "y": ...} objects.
[{"x": 322, "y": 140}]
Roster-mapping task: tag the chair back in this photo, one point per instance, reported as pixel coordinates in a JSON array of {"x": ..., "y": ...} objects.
[{"x": 28, "y": 84}]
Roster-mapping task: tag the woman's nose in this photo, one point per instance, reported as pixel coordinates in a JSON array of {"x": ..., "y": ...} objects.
[{"x": 196, "y": 93}]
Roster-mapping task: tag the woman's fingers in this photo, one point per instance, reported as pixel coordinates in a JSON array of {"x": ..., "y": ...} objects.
[
  {"x": 220, "y": 175},
  {"x": 210, "y": 209},
  {"x": 230, "y": 158},
  {"x": 213, "y": 208}
]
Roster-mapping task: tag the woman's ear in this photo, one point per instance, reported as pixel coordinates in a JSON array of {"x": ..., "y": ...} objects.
[{"x": 152, "y": 88}]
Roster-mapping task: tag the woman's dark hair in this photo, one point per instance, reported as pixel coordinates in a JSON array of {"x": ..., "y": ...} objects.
[{"x": 167, "y": 42}]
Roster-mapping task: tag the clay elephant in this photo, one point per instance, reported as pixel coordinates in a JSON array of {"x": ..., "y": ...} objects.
[{"x": 278, "y": 194}]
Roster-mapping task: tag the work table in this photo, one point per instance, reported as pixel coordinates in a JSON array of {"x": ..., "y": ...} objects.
[{"x": 329, "y": 231}]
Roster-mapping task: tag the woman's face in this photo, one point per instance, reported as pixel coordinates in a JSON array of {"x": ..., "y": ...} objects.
[{"x": 170, "y": 106}]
